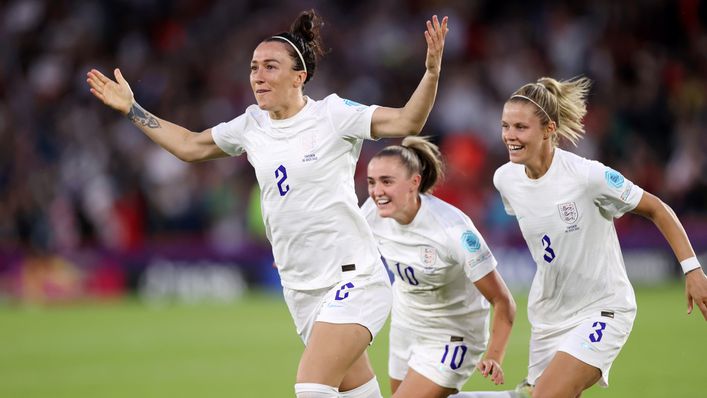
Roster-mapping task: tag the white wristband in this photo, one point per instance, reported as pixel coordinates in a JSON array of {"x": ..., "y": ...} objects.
[{"x": 689, "y": 264}]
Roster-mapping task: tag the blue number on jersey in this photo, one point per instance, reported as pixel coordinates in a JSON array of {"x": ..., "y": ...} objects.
[
  {"x": 549, "y": 253},
  {"x": 343, "y": 288},
  {"x": 281, "y": 173},
  {"x": 409, "y": 275},
  {"x": 453, "y": 363},
  {"x": 597, "y": 335}
]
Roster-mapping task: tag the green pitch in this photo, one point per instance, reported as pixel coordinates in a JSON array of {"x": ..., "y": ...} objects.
[{"x": 249, "y": 349}]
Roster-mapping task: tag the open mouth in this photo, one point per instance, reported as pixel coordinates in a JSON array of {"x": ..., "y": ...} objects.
[
  {"x": 515, "y": 148},
  {"x": 382, "y": 201}
]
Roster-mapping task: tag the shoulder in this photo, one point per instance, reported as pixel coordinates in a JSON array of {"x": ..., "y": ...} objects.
[
  {"x": 507, "y": 172},
  {"x": 252, "y": 115},
  {"x": 574, "y": 164},
  {"x": 445, "y": 215}
]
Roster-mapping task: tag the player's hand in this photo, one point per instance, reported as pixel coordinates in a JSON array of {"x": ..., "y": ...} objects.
[
  {"x": 696, "y": 291},
  {"x": 435, "y": 35},
  {"x": 116, "y": 94},
  {"x": 489, "y": 367}
]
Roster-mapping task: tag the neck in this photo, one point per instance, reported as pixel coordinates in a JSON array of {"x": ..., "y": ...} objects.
[
  {"x": 408, "y": 214},
  {"x": 540, "y": 165},
  {"x": 290, "y": 109}
]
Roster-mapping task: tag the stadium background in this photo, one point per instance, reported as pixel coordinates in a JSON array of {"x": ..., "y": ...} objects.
[{"x": 96, "y": 221}]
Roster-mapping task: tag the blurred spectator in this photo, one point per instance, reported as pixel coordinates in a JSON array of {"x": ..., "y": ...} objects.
[{"x": 73, "y": 174}]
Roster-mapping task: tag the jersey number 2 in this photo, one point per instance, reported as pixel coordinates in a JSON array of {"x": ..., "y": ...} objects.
[{"x": 281, "y": 175}]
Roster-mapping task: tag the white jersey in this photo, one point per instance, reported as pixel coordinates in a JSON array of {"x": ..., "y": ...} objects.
[
  {"x": 435, "y": 260},
  {"x": 566, "y": 217},
  {"x": 305, "y": 167}
]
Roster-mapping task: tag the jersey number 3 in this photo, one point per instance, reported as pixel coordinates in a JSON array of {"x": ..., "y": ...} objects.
[
  {"x": 281, "y": 175},
  {"x": 549, "y": 253}
]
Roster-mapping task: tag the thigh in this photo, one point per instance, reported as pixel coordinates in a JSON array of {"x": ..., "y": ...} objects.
[
  {"x": 416, "y": 385},
  {"x": 360, "y": 373},
  {"x": 565, "y": 376},
  {"x": 332, "y": 349}
]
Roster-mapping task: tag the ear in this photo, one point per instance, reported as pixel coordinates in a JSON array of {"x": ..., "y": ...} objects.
[
  {"x": 416, "y": 179},
  {"x": 550, "y": 130},
  {"x": 300, "y": 78}
]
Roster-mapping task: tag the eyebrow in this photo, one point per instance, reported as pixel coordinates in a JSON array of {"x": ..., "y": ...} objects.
[{"x": 265, "y": 60}]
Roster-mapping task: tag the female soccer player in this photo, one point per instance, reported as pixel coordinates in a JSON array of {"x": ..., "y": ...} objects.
[
  {"x": 444, "y": 275},
  {"x": 581, "y": 305},
  {"x": 303, "y": 152}
]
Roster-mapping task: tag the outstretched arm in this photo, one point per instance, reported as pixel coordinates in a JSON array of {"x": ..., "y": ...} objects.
[
  {"x": 667, "y": 222},
  {"x": 184, "y": 144},
  {"x": 496, "y": 292},
  {"x": 410, "y": 119}
]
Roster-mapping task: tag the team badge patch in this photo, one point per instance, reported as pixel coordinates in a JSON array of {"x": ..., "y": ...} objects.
[
  {"x": 471, "y": 241},
  {"x": 568, "y": 212},
  {"x": 614, "y": 178},
  {"x": 428, "y": 255}
]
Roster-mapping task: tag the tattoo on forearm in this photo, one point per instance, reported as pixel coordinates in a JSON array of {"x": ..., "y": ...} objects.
[{"x": 140, "y": 116}]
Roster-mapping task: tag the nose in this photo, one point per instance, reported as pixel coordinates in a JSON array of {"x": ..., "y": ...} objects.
[
  {"x": 256, "y": 76},
  {"x": 374, "y": 189},
  {"x": 507, "y": 134}
]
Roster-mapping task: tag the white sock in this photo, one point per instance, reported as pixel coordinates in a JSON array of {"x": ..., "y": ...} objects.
[
  {"x": 486, "y": 394},
  {"x": 314, "y": 390},
  {"x": 369, "y": 389}
]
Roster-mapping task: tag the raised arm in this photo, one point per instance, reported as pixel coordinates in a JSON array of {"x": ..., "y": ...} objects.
[
  {"x": 182, "y": 143},
  {"x": 496, "y": 292},
  {"x": 669, "y": 225},
  {"x": 410, "y": 119}
]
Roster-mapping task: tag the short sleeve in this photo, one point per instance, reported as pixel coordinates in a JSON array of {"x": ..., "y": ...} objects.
[
  {"x": 349, "y": 118},
  {"x": 612, "y": 192},
  {"x": 472, "y": 252},
  {"x": 497, "y": 183},
  {"x": 228, "y": 135}
]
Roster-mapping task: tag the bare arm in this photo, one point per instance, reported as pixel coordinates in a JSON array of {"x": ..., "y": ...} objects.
[
  {"x": 496, "y": 292},
  {"x": 410, "y": 119},
  {"x": 182, "y": 143},
  {"x": 669, "y": 225}
]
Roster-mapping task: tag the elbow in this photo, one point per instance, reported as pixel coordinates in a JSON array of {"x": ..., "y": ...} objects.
[
  {"x": 185, "y": 156},
  {"x": 510, "y": 308}
]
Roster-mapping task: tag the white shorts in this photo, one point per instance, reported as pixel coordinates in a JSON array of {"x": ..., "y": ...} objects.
[
  {"x": 596, "y": 340},
  {"x": 447, "y": 361},
  {"x": 362, "y": 299}
]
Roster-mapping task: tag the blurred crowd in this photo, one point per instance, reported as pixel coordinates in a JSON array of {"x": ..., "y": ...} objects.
[{"x": 75, "y": 174}]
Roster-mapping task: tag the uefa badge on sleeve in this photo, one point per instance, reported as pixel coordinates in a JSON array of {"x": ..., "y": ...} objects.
[{"x": 471, "y": 242}]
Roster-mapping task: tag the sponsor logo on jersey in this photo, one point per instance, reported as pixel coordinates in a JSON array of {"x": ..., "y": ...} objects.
[
  {"x": 568, "y": 212},
  {"x": 428, "y": 255},
  {"x": 614, "y": 178},
  {"x": 471, "y": 242}
]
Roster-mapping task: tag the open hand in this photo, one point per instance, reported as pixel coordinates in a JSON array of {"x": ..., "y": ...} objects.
[
  {"x": 116, "y": 94},
  {"x": 696, "y": 291},
  {"x": 435, "y": 35}
]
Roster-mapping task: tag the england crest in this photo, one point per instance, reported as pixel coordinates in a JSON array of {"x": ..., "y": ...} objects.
[
  {"x": 568, "y": 212},
  {"x": 428, "y": 255}
]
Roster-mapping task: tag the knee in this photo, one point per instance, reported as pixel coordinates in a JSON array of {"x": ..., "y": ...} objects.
[
  {"x": 315, "y": 390},
  {"x": 548, "y": 390}
]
